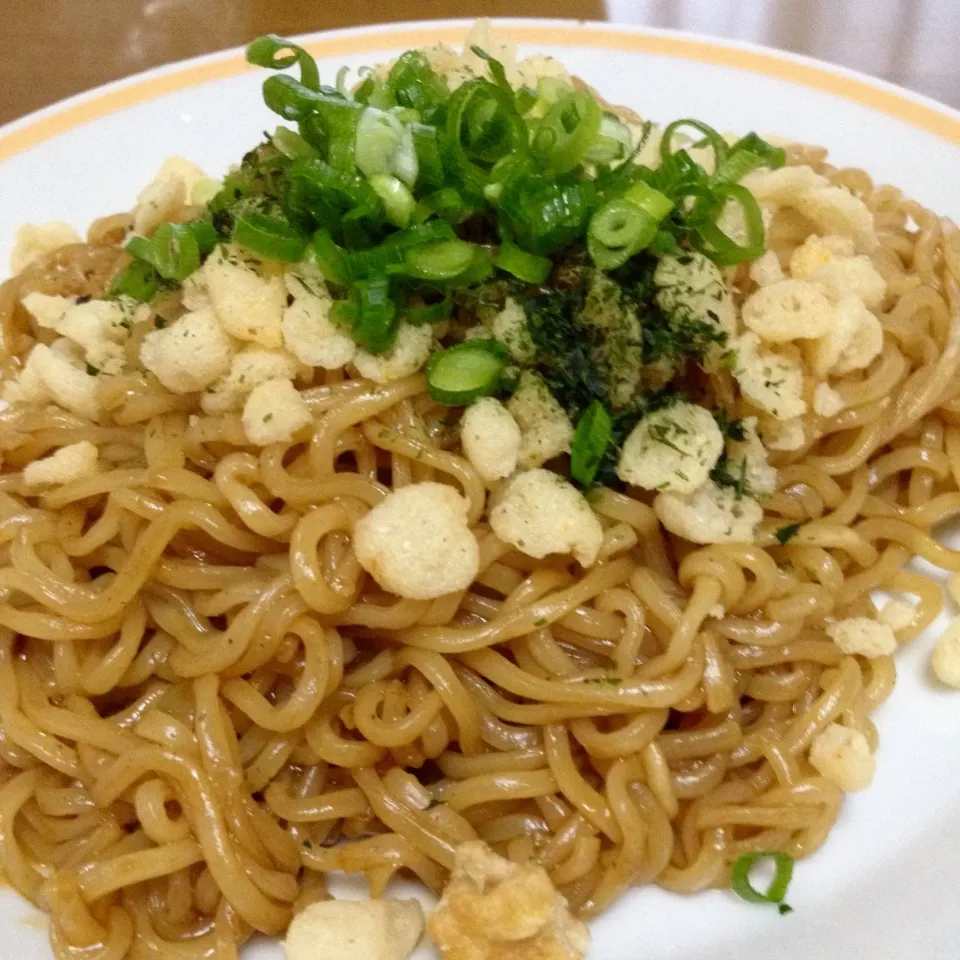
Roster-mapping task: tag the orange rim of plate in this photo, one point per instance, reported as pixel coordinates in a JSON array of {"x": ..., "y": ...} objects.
[{"x": 807, "y": 74}]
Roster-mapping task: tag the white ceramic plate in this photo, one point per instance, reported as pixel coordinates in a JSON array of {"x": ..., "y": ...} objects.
[{"x": 885, "y": 886}]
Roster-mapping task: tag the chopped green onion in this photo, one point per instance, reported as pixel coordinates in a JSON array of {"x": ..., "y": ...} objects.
[
  {"x": 291, "y": 144},
  {"x": 613, "y": 141},
  {"x": 421, "y": 233},
  {"x": 445, "y": 203},
  {"x": 397, "y": 199},
  {"x": 677, "y": 171},
  {"x": 375, "y": 326},
  {"x": 444, "y": 260},
  {"x": 544, "y": 216},
  {"x": 625, "y": 225},
  {"x": 140, "y": 248},
  {"x": 482, "y": 127},
  {"x": 269, "y": 237},
  {"x": 524, "y": 98},
  {"x": 549, "y": 91},
  {"x": 651, "y": 201},
  {"x": 406, "y": 115},
  {"x": 713, "y": 242},
  {"x": 740, "y": 878},
  {"x": 385, "y": 258},
  {"x": 713, "y": 139},
  {"x": 329, "y": 258},
  {"x": 374, "y": 91},
  {"x": 137, "y": 280},
  {"x": 466, "y": 371},
  {"x": 326, "y": 119},
  {"x": 497, "y": 72},
  {"x": 390, "y": 257},
  {"x": 524, "y": 266},
  {"x": 568, "y": 131},
  {"x": 748, "y": 153},
  {"x": 175, "y": 249},
  {"x": 288, "y": 98},
  {"x": 268, "y": 51},
  {"x": 419, "y": 316},
  {"x": 479, "y": 270},
  {"x": 204, "y": 233},
  {"x": 414, "y": 83},
  {"x": 176, "y": 253},
  {"x": 621, "y": 224},
  {"x": 427, "y": 147},
  {"x": 590, "y": 441},
  {"x": 385, "y": 145},
  {"x": 333, "y": 190},
  {"x": 736, "y": 166}
]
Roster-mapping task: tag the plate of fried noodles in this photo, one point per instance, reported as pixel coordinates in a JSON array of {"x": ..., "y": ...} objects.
[{"x": 481, "y": 492}]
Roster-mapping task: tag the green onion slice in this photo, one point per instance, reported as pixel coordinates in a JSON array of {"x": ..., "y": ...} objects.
[
  {"x": 524, "y": 266},
  {"x": 482, "y": 126},
  {"x": 446, "y": 203},
  {"x": 613, "y": 142},
  {"x": 713, "y": 242},
  {"x": 651, "y": 201},
  {"x": 542, "y": 215},
  {"x": 330, "y": 259},
  {"x": 590, "y": 441},
  {"x": 740, "y": 878},
  {"x": 617, "y": 231},
  {"x": 291, "y": 144},
  {"x": 425, "y": 314},
  {"x": 440, "y": 261},
  {"x": 496, "y": 69},
  {"x": 714, "y": 140},
  {"x": 137, "y": 280},
  {"x": 176, "y": 253},
  {"x": 204, "y": 233},
  {"x": 141, "y": 248},
  {"x": 375, "y": 325},
  {"x": 568, "y": 131},
  {"x": 270, "y": 51},
  {"x": 427, "y": 147},
  {"x": 748, "y": 153},
  {"x": 415, "y": 84},
  {"x": 380, "y": 137},
  {"x": 466, "y": 371},
  {"x": 269, "y": 237},
  {"x": 397, "y": 199}
]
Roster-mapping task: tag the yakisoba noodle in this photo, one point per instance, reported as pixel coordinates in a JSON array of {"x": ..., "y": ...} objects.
[{"x": 235, "y": 709}]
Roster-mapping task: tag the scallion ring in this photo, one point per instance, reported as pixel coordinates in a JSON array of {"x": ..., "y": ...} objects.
[
  {"x": 712, "y": 241},
  {"x": 137, "y": 280},
  {"x": 440, "y": 261},
  {"x": 715, "y": 141},
  {"x": 291, "y": 144},
  {"x": 176, "y": 253},
  {"x": 385, "y": 145},
  {"x": 743, "y": 888},
  {"x": 269, "y": 237},
  {"x": 568, "y": 131},
  {"x": 459, "y": 375},
  {"x": 397, "y": 199},
  {"x": 269, "y": 51},
  {"x": 527, "y": 267},
  {"x": 375, "y": 324}
]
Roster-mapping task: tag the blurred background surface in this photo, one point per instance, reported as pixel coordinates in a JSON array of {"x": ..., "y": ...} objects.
[{"x": 55, "y": 48}]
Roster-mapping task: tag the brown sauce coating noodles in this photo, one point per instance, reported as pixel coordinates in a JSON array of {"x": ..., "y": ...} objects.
[{"x": 206, "y": 705}]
